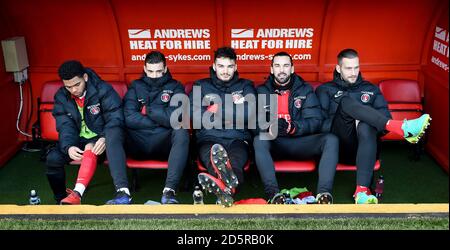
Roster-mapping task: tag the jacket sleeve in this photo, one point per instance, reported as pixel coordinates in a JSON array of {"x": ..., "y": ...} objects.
[
  {"x": 324, "y": 100},
  {"x": 380, "y": 104},
  {"x": 160, "y": 113},
  {"x": 311, "y": 117},
  {"x": 112, "y": 108},
  {"x": 134, "y": 119},
  {"x": 68, "y": 133}
]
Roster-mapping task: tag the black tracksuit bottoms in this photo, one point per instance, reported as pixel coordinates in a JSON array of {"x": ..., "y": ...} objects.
[
  {"x": 238, "y": 151},
  {"x": 56, "y": 160},
  {"x": 322, "y": 146},
  {"x": 171, "y": 145},
  {"x": 358, "y": 144}
]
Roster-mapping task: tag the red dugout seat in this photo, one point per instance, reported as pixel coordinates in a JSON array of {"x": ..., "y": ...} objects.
[
  {"x": 147, "y": 164},
  {"x": 404, "y": 101},
  {"x": 345, "y": 167},
  {"x": 295, "y": 166}
]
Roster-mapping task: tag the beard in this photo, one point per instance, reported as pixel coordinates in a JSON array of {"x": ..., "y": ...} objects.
[
  {"x": 224, "y": 77},
  {"x": 282, "y": 81},
  {"x": 349, "y": 81}
]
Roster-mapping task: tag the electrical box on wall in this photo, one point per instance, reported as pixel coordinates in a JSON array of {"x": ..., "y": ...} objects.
[{"x": 15, "y": 54}]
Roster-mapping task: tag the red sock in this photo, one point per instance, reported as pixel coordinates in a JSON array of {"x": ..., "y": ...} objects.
[
  {"x": 87, "y": 168},
  {"x": 395, "y": 126},
  {"x": 362, "y": 189}
]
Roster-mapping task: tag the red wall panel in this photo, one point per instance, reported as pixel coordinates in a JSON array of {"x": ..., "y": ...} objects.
[
  {"x": 436, "y": 75},
  {"x": 391, "y": 34},
  {"x": 171, "y": 20},
  {"x": 9, "y": 142},
  {"x": 281, "y": 26},
  {"x": 59, "y": 30}
]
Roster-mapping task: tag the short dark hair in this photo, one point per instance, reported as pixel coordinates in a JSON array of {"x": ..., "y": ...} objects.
[
  {"x": 282, "y": 53},
  {"x": 346, "y": 53},
  {"x": 155, "y": 57},
  {"x": 226, "y": 52},
  {"x": 70, "y": 69}
]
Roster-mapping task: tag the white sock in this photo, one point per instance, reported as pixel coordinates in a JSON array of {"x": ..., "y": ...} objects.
[
  {"x": 79, "y": 188},
  {"x": 168, "y": 189},
  {"x": 126, "y": 190}
]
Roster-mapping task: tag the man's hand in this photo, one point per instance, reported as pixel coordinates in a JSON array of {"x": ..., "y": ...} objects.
[
  {"x": 75, "y": 153},
  {"x": 100, "y": 146},
  {"x": 284, "y": 128}
]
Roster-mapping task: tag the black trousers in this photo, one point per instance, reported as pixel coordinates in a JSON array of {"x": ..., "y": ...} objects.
[
  {"x": 323, "y": 146},
  {"x": 56, "y": 160},
  {"x": 358, "y": 144},
  {"x": 171, "y": 145},
  {"x": 238, "y": 151}
]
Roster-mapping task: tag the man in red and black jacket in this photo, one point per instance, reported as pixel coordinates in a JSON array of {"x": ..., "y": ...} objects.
[
  {"x": 292, "y": 134},
  {"x": 89, "y": 120},
  {"x": 357, "y": 113}
]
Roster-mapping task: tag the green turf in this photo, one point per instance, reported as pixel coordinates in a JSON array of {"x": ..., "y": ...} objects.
[
  {"x": 406, "y": 181},
  {"x": 231, "y": 224}
]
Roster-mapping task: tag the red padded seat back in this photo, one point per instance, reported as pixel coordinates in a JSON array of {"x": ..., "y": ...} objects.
[
  {"x": 47, "y": 122},
  {"x": 400, "y": 91},
  {"x": 120, "y": 87},
  {"x": 188, "y": 87},
  {"x": 49, "y": 90}
]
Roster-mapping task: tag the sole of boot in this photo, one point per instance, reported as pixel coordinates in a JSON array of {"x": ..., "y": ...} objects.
[
  {"x": 221, "y": 164},
  {"x": 209, "y": 185}
]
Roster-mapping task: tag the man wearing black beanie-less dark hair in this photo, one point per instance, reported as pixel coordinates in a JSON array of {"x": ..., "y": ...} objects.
[
  {"x": 89, "y": 120},
  {"x": 223, "y": 148}
]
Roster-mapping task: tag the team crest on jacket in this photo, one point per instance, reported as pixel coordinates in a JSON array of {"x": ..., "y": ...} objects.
[
  {"x": 365, "y": 98},
  {"x": 94, "y": 109},
  {"x": 237, "y": 97},
  {"x": 298, "y": 103},
  {"x": 165, "y": 97}
]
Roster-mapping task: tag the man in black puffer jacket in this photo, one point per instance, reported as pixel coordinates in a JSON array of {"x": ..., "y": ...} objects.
[
  {"x": 147, "y": 117},
  {"x": 89, "y": 120},
  {"x": 298, "y": 119},
  {"x": 221, "y": 108},
  {"x": 356, "y": 112}
]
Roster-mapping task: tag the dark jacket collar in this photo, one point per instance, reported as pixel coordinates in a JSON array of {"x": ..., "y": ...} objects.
[
  {"x": 157, "y": 82},
  {"x": 339, "y": 81},
  {"x": 221, "y": 84}
]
